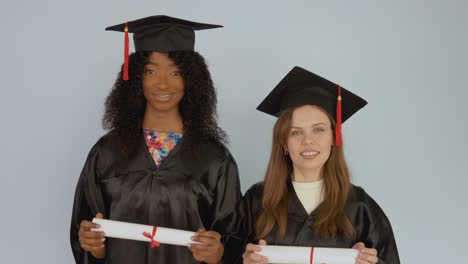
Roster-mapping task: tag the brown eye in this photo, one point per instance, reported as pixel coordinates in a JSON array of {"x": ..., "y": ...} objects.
[
  {"x": 319, "y": 130},
  {"x": 150, "y": 72},
  {"x": 175, "y": 73},
  {"x": 296, "y": 133}
]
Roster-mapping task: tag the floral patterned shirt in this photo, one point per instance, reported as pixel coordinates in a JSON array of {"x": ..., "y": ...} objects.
[{"x": 160, "y": 144}]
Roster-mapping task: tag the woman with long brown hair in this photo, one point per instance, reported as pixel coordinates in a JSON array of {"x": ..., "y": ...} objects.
[{"x": 306, "y": 198}]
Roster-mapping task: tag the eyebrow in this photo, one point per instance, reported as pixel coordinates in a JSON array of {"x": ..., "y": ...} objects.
[
  {"x": 157, "y": 64},
  {"x": 314, "y": 125}
]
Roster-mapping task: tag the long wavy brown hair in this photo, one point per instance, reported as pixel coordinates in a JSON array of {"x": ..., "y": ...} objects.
[{"x": 331, "y": 219}]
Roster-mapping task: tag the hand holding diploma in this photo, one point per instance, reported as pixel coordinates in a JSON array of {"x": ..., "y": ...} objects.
[
  {"x": 250, "y": 255},
  {"x": 153, "y": 234},
  {"x": 366, "y": 255},
  {"x": 210, "y": 250},
  {"x": 92, "y": 241},
  {"x": 205, "y": 245},
  {"x": 305, "y": 255}
]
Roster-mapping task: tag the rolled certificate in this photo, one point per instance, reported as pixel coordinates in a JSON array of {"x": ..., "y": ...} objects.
[
  {"x": 147, "y": 233},
  {"x": 308, "y": 255}
]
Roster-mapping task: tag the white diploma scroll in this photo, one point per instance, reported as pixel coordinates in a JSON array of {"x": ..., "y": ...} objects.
[
  {"x": 302, "y": 255},
  {"x": 124, "y": 230}
]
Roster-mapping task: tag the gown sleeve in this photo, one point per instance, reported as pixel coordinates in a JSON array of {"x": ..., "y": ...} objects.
[
  {"x": 88, "y": 201},
  {"x": 243, "y": 225},
  {"x": 227, "y": 198},
  {"x": 375, "y": 231}
]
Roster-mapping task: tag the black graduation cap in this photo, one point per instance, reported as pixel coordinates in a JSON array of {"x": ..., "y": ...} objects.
[
  {"x": 160, "y": 33},
  {"x": 301, "y": 87}
]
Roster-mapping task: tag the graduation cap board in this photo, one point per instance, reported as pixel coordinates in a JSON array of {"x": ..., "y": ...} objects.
[
  {"x": 159, "y": 33},
  {"x": 301, "y": 87}
]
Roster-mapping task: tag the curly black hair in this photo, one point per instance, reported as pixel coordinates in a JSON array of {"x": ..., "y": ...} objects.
[{"x": 125, "y": 105}]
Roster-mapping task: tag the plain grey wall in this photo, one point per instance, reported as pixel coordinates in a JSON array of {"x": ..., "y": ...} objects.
[{"x": 406, "y": 148}]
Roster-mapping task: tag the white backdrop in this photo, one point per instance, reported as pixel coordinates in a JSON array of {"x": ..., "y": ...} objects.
[{"x": 406, "y": 148}]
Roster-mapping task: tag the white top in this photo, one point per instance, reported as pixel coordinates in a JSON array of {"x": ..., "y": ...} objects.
[{"x": 309, "y": 193}]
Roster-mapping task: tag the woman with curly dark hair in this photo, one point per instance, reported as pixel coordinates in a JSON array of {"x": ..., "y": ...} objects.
[{"x": 163, "y": 161}]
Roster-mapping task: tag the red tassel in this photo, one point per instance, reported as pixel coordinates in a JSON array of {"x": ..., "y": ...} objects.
[
  {"x": 338, "y": 135},
  {"x": 126, "y": 48}
]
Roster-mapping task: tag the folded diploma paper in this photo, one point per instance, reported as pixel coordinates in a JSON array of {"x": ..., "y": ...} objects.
[
  {"x": 153, "y": 234},
  {"x": 308, "y": 255}
]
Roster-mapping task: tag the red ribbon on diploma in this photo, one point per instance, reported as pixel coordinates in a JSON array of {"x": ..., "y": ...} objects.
[
  {"x": 311, "y": 255},
  {"x": 154, "y": 243}
]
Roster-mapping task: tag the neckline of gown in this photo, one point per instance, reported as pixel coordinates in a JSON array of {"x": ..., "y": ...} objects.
[
  {"x": 295, "y": 203},
  {"x": 150, "y": 159}
]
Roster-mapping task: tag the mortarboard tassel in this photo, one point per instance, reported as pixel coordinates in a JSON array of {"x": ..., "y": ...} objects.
[
  {"x": 126, "y": 48},
  {"x": 338, "y": 135}
]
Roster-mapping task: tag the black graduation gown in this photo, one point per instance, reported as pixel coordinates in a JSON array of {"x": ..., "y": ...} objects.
[
  {"x": 372, "y": 225},
  {"x": 183, "y": 192}
]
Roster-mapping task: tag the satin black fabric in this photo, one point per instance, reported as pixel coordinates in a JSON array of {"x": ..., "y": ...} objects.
[
  {"x": 184, "y": 192},
  {"x": 162, "y": 33},
  {"x": 372, "y": 225}
]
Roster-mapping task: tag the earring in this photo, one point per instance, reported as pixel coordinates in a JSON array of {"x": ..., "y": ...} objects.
[{"x": 286, "y": 152}]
